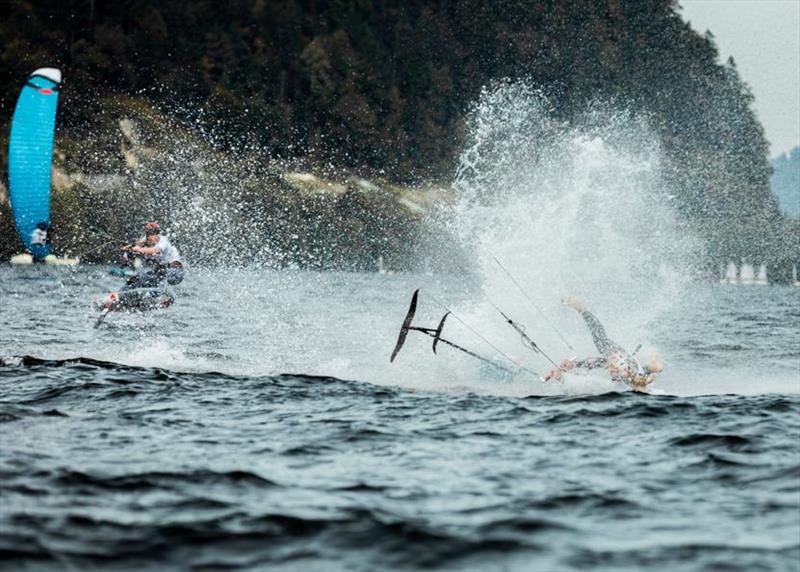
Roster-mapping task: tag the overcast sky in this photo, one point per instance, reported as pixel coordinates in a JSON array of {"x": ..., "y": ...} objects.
[{"x": 763, "y": 36}]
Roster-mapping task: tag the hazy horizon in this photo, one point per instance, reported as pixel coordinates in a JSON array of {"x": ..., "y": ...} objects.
[{"x": 763, "y": 37}]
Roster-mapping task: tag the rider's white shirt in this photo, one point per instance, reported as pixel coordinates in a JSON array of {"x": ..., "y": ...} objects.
[{"x": 168, "y": 252}]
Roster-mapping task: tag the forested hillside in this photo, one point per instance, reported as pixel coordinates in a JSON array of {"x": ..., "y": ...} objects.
[{"x": 381, "y": 87}]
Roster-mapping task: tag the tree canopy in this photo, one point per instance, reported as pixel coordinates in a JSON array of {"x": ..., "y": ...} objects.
[{"x": 382, "y": 85}]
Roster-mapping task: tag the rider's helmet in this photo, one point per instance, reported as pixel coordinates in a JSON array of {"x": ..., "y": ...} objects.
[{"x": 152, "y": 227}]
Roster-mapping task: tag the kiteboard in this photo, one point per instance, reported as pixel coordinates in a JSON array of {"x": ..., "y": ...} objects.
[
  {"x": 436, "y": 334},
  {"x": 134, "y": 300},
  {"x": 24, "y": 259}
]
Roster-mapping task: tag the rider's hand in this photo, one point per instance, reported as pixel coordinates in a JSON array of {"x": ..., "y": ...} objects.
[
  {"x": 656, "y": 365},
  {"x": 557, "y": 372},
  {"x": 554, "y": 373},
  {"x": 574, "y": 303}
]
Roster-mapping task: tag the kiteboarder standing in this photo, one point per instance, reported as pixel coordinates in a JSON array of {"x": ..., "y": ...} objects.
[{"x": 162, "y": 260}]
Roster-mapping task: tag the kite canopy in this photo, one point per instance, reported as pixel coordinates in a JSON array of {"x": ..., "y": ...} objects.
[{"x": 30, "y": 155}]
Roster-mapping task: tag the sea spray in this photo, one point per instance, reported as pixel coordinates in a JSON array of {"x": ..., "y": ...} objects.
[
  {"x": 569, "y": 207},
  {"x": 227, "y": 205}
]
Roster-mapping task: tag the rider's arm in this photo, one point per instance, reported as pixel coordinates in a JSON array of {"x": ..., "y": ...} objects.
[
  {"x": 568, "y": 364},
  {"x": 590, "y": 363},
  {"x": 146, "y": 250}
]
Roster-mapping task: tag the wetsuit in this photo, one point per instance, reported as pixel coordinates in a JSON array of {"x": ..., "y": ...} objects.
[{"x": 607, "y": 347}]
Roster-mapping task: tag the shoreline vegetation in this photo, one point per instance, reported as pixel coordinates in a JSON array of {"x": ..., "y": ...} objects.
[{"x": 319, "y": 136}]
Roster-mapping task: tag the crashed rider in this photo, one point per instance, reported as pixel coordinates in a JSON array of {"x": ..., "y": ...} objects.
[{"x": 623, "y": 367}]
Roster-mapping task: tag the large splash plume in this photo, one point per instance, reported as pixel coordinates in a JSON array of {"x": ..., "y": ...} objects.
[{"x": 574, "y": 206}]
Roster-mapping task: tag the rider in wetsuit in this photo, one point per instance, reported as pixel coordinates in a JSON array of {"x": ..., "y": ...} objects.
[
  {"x": 622, "y": 367},
  {"x": 162, "y": 260}
]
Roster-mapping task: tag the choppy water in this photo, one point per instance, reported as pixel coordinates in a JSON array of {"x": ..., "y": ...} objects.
[{"x": 258, "y": 425}]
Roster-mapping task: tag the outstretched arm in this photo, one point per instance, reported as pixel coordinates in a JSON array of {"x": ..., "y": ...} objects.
[
  {"x": 146, "y": 250},
  {"x": 602, "y": 342},
  {"x": 568, "y": 364}
]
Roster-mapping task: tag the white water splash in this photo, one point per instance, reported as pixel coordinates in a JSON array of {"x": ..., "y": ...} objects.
[{"x": 568, "y": 208}]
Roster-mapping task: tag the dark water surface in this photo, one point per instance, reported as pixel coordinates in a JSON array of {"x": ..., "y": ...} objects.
[{"x": 171, "y": 441}]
